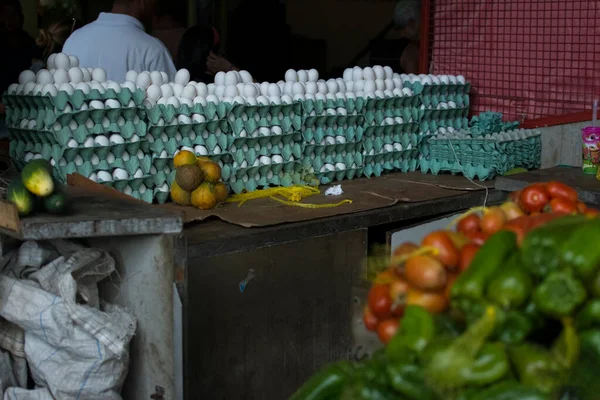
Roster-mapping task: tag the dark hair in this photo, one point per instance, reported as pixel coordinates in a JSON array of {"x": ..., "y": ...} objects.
[
  {"x": 195, "y": 47},
  {"x": 52, "y": 39}
]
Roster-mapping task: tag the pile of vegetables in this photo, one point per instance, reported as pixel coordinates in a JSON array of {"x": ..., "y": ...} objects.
[
  {"x": 522, "y": 320},
  {"x": 34, "y": 189},
  {"x": 424, "y": 275}
]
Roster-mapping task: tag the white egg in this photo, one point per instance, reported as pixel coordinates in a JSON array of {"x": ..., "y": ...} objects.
[
  {"x": 238, "y": 100},
  {"x": 128, "y": 190},
  {"x": 129, "y": 85},
  {"x": 134, "y": 138},
  {"x": 115, "y": 138},
  {"x": 368, "y": 74},
  {"x": 28, "y": 88},
  {"x": 444, "y": 79},
  {"x": 389, "y": 72},
  {"x": 75, "y": 75},
  {"x": 291, "y": 76},
  {"x": 220, "y": 91},
  {"x": 173, "y": 101},
  {"x": 89, "y": 142},
  {"x": 277, "y": 159},
  {"x": 313, "y": 75},
  {"x": 138, "y": 173},
  {"x": 298, "y": 88},
  {"x": 156, "y": 78},
  {"x": 262, "y": 101},
  {"x": 37, "y": 89},
  {"x": 275, "y": 100},
  {"x": 131, "y": 76},
  {"x": 332, "y": 86},
  {"x": 72, "y": 144},
  {"x": 452, "y": 79},
  {"x": 143, "y": 80},
  {"x": 110, "y": 85},
  {"x": 231, "y": 78},
  {"x": 311, "y": 88},
  {"x": 189, "y": 91},
  {"x": 98, "y": 87},
  {"x": 50, "y": 61},
  {"x": 250, "y": 90},
  {"x": 182, "y": 77},
  {"x": 95, "y": 160},
  {"x": 407, "y": 92},
  {"x": 153, "y": 92},
  {"x": 67, "y": 88},
  {"x": 219, "y": 78},
  {"x": 98, "y": 74},
  {"x": 265, "y": 160},
  {"x": 274, "y": 90},
  {"x": 246, "y": 77},
  {"x": 32, "y": 124},
  {"x": 211, "y": 98},
  {"x": 105, "y": 123},
  {"x": 184, "y": 101},
  {"x": 264, "y": 88},
  {"x": 73, "y": 61},
  {"x": 60, "y": 76},
  {"x": 460, "y": 80},
  {"x": 302, "y": 76},
  {"x": 378, "y": 72},
  {"x": 340, "y": 166},
  {"x": 165, "y": 77},
  {"x": 231, "y": 91},
  {"x": 12, "y": 89},
  {"x": 112, "y": 103},
  {"x": 379, "y": 84},
  {"x": 184, "y": 120},
  {"x": 119, "y": 174},
  {"x": 101, "y": 140},
  {"x": 83, "y": 87},
  {"x": 357, "y": 74},
  {"x": 166, "y": 90},
  {"x": 44, "y": 77},
  {"x": 240, "y": 87},
  {"x": 62, "y": 61}
]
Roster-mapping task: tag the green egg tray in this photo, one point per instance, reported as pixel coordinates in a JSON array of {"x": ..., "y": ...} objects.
[
  {"x": 253, "y": 178},
  {"x": 168, "y": 112},
  {"x": 259, "y": 112},
  {"x": 433, "y": 100},
  {"x": 439, "y": 89},
  {"x": 379, "y": 103},
  {"x": 249, "y": 150},
  {"x": 185, "y": 130},
  {"x": 319, "y": 107},
  {"x": 404, "y": 161},
  {"x": 77, "y": 99},
  {"x": 249, "y": 127}
]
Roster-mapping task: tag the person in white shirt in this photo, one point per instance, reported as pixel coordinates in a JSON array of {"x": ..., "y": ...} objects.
[{"x": 117, "y": 41}]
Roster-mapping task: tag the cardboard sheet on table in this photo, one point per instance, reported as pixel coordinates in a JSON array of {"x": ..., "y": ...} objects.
[{"x": 366, "y": 194}]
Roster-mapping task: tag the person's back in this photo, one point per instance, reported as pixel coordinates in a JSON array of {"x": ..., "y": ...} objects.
[{"x": 119, "y": 43}]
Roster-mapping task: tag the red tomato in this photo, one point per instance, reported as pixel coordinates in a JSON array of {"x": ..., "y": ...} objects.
[
  {"x": 425, "y": 272},
  {"x": 370, "y": 320},
  {"x": 466, "y": 256},
  {"x": 534, "y": 198},
  {"x": 387, "y": 329},
  {"x": 469, "y": 224},
  {"x": 398, "y": 290},
  {"x": 479, "y": 238},
  {"x": 405, "y": 249},
  {"x": 562, "y": 205},
  {"x": 592, "y": 212},
  {"x": 558, "y": 190},
  {"x": 380, "y": 301},
  {"x": 447, "y": 252},
  {"x": 433, "y": 301},
  {"x": 493, "y": 220},
  {"x": 581, "y": 207}
]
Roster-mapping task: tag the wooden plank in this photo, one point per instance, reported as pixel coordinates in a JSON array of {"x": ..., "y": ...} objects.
[
  {"x": 9, "y": 217},
  {"x": 94, "y": 215},
  {"x": 294, "y": 316},
  {"x": 587, "y": 186}
]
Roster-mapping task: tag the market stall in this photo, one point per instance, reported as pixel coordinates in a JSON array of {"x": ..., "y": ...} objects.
[{"x": 284, "y": 188}]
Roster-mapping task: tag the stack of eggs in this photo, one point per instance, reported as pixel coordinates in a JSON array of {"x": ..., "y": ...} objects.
[
  {"x": 265, "y": 120},
  {"x": 391, "y": 118},
  {"x": 445, "y": 102},
  {"x": 332, "y": 125},
  {"x": 81, "y": 123},
  {"x": 183, "y": 115}
]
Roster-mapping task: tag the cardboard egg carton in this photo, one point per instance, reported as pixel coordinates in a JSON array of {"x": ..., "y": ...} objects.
[
  {"x": 439, "y": 88},
  {"x": 265, "y": 175}
]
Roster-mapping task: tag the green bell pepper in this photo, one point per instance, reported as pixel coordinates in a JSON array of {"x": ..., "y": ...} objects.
[
  {"x": 535, "y": 366},
  {"x": 542, "y": 247},
  {"x": 582, "y": 382},
  {"x": 487, "y": 261},
  {"x": 559, "y": 294},
  {"x": 508, "y": 391},
  {"x": 467, "y": 360},
  {"x": 415, "y": 332},
  {"x": 515, "y": 327},
  {"x": 326, "y": 384},
  {"x": 510, "y": 286},
  {"x": 408, "y": 380},
  {"x": 446, "y": 326},
  {"x": 535, "y": 317},
  {"x": 566, "y": 348},
  {"x": 577, "y": 252},
  {"x": 589, "y": 316}
]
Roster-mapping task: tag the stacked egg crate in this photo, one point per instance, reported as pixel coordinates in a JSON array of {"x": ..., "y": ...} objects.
[
  {"x": 483, "y": 156},
  {"x": 391, "y": 121},
  {"x": 81, "y": 124},
  {"x": 332, "y": 128},
  {"x": 181, "y": 116},
  {"x": 445, "y": 104},
  {"x": 267, "y": 143}
]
